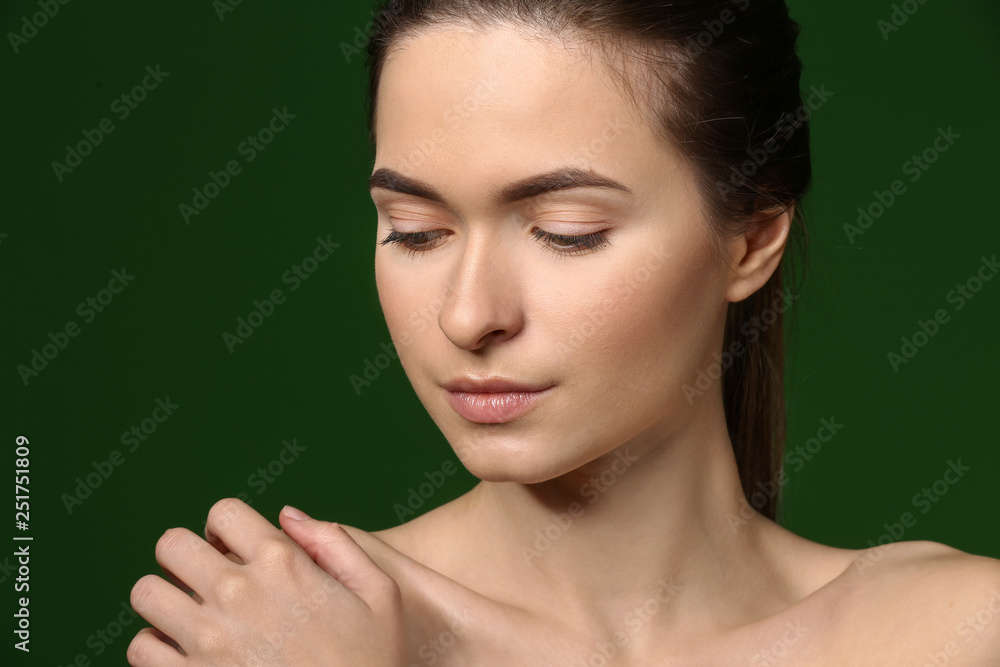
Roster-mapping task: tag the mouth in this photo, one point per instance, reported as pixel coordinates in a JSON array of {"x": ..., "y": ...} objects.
[
  {"x": 495, "y": 408},
  {"x": 494, "y": 401}
]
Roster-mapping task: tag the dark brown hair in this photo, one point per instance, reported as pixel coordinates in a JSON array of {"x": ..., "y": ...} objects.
[{"x": 719, "y": 81}]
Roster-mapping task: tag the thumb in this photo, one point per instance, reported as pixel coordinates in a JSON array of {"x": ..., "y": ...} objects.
[{"x": 336, "y": 552}]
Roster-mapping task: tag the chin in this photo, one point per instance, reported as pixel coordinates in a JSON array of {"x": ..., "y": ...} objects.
[
  {"x": 501, "y": 473},
  {"x": 496, "y": 456}
]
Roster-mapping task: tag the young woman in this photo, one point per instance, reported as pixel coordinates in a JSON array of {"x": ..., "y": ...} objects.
[{"x": 583, "y": 214}]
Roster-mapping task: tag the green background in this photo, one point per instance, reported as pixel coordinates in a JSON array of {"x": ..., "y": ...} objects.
[{"x": 162, "y": 335}]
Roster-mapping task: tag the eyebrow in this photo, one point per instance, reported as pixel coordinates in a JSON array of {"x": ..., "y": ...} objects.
[{"x": 563, "y": 178}]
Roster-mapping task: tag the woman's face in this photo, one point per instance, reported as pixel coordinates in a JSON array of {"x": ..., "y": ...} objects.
[{"x": 616, "y": 329}]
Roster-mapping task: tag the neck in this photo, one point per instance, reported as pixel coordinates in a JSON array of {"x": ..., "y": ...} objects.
[{"x": 660, "y": 523}]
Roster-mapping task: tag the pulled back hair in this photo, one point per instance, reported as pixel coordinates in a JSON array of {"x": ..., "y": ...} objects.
[{"x": 719, "y": 82}]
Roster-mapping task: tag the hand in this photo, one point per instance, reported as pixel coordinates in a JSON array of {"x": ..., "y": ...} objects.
[{"x": 266, "y": 602}]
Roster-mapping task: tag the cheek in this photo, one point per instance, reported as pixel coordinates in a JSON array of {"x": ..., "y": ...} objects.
[
  {"x": 394, "y": 299},
  {"x": 648, "y": 328},
  {"x": 410, "y": 301}
]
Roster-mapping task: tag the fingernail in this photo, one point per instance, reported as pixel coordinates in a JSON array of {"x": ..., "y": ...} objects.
[{"x": 294, "y": 513}]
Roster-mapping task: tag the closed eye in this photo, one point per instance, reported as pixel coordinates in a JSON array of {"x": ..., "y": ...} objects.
[{"x": 562, "y": 244}]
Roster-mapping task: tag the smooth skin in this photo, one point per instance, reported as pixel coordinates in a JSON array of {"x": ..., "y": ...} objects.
[
  {"x": 609, "y": 527},
  {"x": 249, "y": 594}
]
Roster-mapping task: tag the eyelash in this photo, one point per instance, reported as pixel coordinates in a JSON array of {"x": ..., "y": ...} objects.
[{"x": 578, "y": 245}]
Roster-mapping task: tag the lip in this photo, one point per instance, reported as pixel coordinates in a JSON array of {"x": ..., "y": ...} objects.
[
  {"x": 491, "y": 385},
  {"x": 494, "y": 400}
]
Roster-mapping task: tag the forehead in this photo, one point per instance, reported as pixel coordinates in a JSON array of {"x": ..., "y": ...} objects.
[{"x": 500, "y": 97}]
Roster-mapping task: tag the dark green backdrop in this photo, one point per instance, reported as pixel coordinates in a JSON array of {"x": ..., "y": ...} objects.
[{"x": 160, "y": 337}]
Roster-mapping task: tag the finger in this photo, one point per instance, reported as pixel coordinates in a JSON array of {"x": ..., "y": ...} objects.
[
  {"x": 239, "y": 527},
  {"x": 152, "y": 648},
  {"x": 336, "y": 552},
  {"x": 190, "y": 560},
  {"x": 167, "y": 608},
  {"x": 176, "y": 581},
  {"x": 221, "y": 547},
  {"x": 167, "y": 640}
]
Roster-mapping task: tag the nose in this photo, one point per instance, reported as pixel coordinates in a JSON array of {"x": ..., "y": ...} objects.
[{"x": 484, "y": 302}]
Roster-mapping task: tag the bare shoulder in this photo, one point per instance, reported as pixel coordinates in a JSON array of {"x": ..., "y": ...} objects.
[
  {"x": 413, "y": 561},
  {"x": 922, "y": 602}
]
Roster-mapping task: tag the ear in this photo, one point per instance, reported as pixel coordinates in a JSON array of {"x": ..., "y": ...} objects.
[{"x": 757, "y": 252}]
